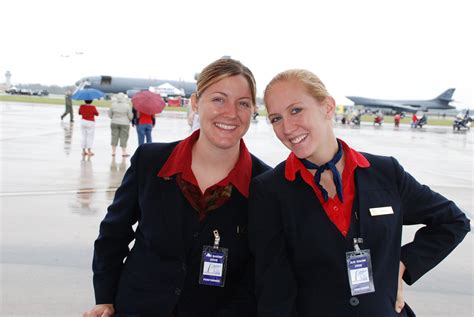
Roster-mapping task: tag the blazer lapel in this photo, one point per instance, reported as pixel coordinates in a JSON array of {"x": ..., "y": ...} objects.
[{"x": 362, "y": 182}]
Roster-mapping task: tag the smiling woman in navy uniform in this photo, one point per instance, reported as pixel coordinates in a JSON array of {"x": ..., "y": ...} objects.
[
  {"x": 326, "y": 224},
  {"x": 189, "y": 199}
]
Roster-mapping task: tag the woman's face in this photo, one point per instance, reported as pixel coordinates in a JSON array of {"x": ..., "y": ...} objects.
[
  {"x": 225, "y": 109},
  {"x": 300, "y": 122}
]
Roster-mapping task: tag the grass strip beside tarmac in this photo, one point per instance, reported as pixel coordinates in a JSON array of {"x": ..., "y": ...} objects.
[
  {"x": 106, "y": 103},
  {"x": 60, "y": 101}
]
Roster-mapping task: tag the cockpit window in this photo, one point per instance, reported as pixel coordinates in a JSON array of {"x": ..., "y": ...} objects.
[{"x": 105, "y": 80}]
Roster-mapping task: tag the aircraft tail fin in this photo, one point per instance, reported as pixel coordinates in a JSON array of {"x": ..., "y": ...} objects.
[{"x": 447, "y": 95}]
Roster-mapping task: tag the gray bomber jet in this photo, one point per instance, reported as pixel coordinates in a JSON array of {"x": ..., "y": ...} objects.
[
  {"x": 441, "y": 103},
  {"x": 130, "y": 86}
]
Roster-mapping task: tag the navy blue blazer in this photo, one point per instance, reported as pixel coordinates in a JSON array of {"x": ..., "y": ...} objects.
[
  {"x": 160, "y": 273},
  {"x": 301, "y": 255}
]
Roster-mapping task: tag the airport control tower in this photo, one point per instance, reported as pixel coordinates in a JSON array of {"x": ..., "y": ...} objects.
[{"x": 8, "y": 77}]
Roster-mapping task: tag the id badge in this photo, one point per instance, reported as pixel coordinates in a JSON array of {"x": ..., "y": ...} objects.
[
  {"x": 359, "y": 270},
  {"x": 213, "y": 264}
]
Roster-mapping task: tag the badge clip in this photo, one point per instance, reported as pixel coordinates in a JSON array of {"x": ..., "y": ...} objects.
[
  {"x": 356, "y": 242},
  {"x": 217, "y": 239}
]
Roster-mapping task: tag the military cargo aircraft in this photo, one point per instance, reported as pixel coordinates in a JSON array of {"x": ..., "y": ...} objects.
[
  {"x": 440, "y": 103},
  {"x": 130, "y": 86}
]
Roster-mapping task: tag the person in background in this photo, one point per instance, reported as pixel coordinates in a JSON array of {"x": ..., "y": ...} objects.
[
  {"x": 145, "y": 124},
  {"x": 255, "y": 115},
  {"x": 378, "y": 119},
  {"x": 88, "y": 112},
  {"x": 414, "y": 119},
  {"x": 326, "y": 224},
  {"x": 184, "y": 204},
  {"x": 396, "y": 119},
  {"x": 193, "y": 117},
  {"x": 121, "y": 114},
  {"x": 68, "y": 107}
]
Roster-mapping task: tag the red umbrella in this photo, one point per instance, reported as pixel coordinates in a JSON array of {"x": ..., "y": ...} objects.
[{"x": 148, "y": 102}]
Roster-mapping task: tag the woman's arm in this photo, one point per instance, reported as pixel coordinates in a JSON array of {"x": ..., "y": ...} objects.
[
  {"x": 116, "y": 232},
  {"x": 445, "y": 225}
]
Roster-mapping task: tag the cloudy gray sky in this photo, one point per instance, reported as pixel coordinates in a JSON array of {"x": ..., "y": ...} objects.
[{"x": 389, "y": 49}]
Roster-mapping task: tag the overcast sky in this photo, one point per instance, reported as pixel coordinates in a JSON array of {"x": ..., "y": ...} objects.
[{"x": 406, "y": 49}]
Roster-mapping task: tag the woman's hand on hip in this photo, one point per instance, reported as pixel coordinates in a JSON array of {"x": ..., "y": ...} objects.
[{"x": 400, "y": 302}]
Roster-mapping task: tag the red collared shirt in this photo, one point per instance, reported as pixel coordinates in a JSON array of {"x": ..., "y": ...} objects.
[
  {"x": 338, "y": 212},
  {"x": 179, "y": 164}
]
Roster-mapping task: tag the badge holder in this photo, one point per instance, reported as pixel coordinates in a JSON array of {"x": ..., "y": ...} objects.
[
  {"x": 213, "y": 263},
  {"x": 359, "y": 270}
]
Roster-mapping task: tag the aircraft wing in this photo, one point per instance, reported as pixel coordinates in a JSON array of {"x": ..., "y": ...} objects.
[
  {"x": 399, "y": 107},
  {"x": 410, "y": 107},
  {"x": 387, "y": 104}
]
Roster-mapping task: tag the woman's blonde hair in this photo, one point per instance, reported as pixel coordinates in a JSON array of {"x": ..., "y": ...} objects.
[
  {"x": 223, "y": 68},
  {"x": 314, "y": 86}
]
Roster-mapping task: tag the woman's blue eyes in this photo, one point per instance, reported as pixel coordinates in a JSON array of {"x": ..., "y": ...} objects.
[{"x": 279, "y": 118}]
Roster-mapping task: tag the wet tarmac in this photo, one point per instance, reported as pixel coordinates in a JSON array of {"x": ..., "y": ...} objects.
[{"x": 52, "y": 201}]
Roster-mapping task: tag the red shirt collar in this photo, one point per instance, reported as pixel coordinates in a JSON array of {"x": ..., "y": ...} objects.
[
  {"x": 353, "y": 160},
  {"x": 181, "y": 158}
]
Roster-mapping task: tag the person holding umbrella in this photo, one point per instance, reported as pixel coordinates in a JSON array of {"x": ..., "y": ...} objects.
[
  {"x": 146, "y": 104},
  {"x": 88, "y": 112},
  {"x": 184, "y": 204},
  {"x": 144, "y": 124}
]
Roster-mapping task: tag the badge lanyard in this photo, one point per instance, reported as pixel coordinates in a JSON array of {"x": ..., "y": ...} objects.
[
  {"x": 213, "y": 263},
  {"x": 359, "y": 269}
]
